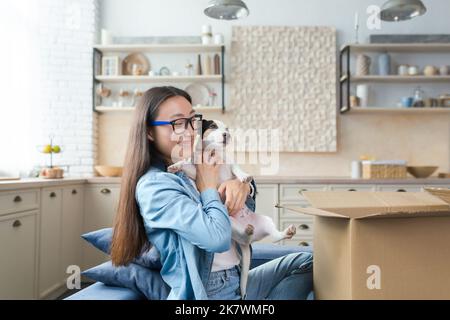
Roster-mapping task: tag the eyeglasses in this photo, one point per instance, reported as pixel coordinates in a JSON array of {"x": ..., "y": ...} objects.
[{"x": 181, "y": 124}]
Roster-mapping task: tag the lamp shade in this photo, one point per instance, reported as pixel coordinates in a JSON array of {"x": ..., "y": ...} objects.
[
  {"x": 399, "y": 10},
  {"x": 226, "y": 9}
]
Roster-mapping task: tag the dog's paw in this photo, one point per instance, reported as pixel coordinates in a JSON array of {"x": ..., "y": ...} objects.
[
  {"x": 290, "y": 231},
  {"x": 174, "y": 168},
  {"x": 250, "y": 229}
]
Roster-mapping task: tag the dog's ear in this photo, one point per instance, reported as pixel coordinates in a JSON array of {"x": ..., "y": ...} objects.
[{"x": 208, "y": 124}]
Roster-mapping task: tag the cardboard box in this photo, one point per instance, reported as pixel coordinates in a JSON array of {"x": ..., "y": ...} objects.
[{"x": 380, "y": 245}]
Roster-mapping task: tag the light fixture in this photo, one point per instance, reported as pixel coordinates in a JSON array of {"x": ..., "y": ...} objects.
[
  {"x": 398, "y": 10},
  {"x": 226, "y": 9}
]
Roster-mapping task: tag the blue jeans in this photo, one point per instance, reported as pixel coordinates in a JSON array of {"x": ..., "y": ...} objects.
[{"x": 286, "y": 278}]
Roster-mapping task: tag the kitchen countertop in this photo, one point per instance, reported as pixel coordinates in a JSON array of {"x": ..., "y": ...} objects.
[{"x": 37, "y": 182}]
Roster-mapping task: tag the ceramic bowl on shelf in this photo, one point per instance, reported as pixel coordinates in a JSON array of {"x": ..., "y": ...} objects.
[
  {"x": 199, "y": 93},
  {"x": 109, "y": 171},
  {"x": 135, "y": 64},
  {"x": 421, "y": 171}
]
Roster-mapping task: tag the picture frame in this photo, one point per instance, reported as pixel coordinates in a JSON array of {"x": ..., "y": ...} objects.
[{"x": 110, "y": 66}]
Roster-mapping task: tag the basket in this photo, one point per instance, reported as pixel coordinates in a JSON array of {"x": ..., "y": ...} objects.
[{"x": 395, "y": 169}]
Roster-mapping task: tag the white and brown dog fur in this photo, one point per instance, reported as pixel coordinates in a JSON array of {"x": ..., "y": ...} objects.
[{"x": 247, "y": 226}]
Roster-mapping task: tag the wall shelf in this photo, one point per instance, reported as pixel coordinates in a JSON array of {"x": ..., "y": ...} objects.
[
  {"x": 105, "y": 109},
  {"x": 145, "y": 79},
  {"x": 399, "y": 79},
  {"x": 101, "y": 50},
  {"x": 174, "y": 48},
  {"x": 399, "y": 47},
  {"x": 346, "y": 78},
  {"x": 370, "y": 110}
]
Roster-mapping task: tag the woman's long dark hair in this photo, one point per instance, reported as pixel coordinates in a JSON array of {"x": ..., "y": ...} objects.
[{"x": 129, "y": 237}]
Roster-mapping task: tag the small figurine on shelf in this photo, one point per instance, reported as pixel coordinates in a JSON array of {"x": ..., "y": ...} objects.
[
  {"x": 51, "y": 172},
  {"x": 198, "y": 70},
  {"x": 356, "y": 27},
  {"x": 189, "y": 68},
  {"x": 419, "y": 98},
  {"x": 123, "y": 95},
  {"x": 212, "y": 98},
  {"x": 136, "y": 95}
]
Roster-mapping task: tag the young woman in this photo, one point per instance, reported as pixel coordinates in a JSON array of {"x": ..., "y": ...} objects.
[{"x": 189, "y": 225}]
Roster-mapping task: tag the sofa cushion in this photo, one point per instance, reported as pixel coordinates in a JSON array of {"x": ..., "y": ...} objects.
[
  {"x": 139, "y": 279},
  {"x": 101, "y": 239}
]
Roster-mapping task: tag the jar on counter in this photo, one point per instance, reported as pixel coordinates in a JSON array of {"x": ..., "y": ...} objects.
[{"x": 356, "y": 168}]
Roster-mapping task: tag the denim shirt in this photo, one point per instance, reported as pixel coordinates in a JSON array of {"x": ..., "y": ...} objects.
[{"x": 185, "y": 226}]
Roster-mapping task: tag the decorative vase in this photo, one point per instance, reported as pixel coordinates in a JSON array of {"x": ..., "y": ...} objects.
[
  {"x": 363, "y": 65},
  {"x": 430, "y": 71},
  {"x": 384, "y": 64},
  {"x": 362, "y": 92}
]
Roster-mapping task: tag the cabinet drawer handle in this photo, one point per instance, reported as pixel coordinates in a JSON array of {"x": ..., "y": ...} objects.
[
  {"x": 105, "y": 191},
  {"x": 401, "y": 190},
  {"x": 351, "y": 189},
  {"x": 17, "y": 199},
  {"x": 303, "y": 227},
  {"x": 301, "y": 190},
  {"x": 303, "y": 244},
  {"x": 17, "y": 224},
  {"x": 52, "y": 195},
  {"x": 74, "y": 191}
]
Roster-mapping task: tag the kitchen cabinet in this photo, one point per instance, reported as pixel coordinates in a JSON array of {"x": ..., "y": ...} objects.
[
  {"x": 61, "y": 223},
  {"x": 399, "y": 188},
  {"x": 291, "y": 195},
  {"x": 72, "y": 227},
  {"x": 18, "y": 201},
  {"x": 266, "y": 200},
  {"x": 50, "y": 241},
  {"x": 18, "y": 255},
  {"x": 352, "y": 187},
  {"x": 100, "y": 209}
]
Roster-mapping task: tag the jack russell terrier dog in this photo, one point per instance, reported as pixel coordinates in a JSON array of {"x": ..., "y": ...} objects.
[{"x": 247, "y": 226}]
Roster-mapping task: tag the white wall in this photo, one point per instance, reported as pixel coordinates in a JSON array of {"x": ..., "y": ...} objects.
[
  {"x": 46, "y": 86},
  {"x": 67, "y": 31}
]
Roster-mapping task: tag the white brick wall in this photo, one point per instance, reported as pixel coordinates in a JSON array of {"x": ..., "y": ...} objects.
[{"x": 68, "y": 29}]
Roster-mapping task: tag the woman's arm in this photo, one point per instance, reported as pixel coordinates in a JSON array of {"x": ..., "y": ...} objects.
[{"x": 164, "y": 205}]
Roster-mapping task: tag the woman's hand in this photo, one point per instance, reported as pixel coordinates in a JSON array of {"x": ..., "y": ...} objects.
[
  {"x": 207, "y": 173},
  {"x": 235, "y": 193}
]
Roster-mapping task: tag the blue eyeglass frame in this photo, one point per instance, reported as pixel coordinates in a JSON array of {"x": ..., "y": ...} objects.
[{"x": 162, "y": 122}]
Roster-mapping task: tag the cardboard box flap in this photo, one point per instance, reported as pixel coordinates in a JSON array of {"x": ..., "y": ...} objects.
[
  {"x": 359, "y": 205},
  {"x": 441, "y": 193},
  {"x": 312, "y": 211}
]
